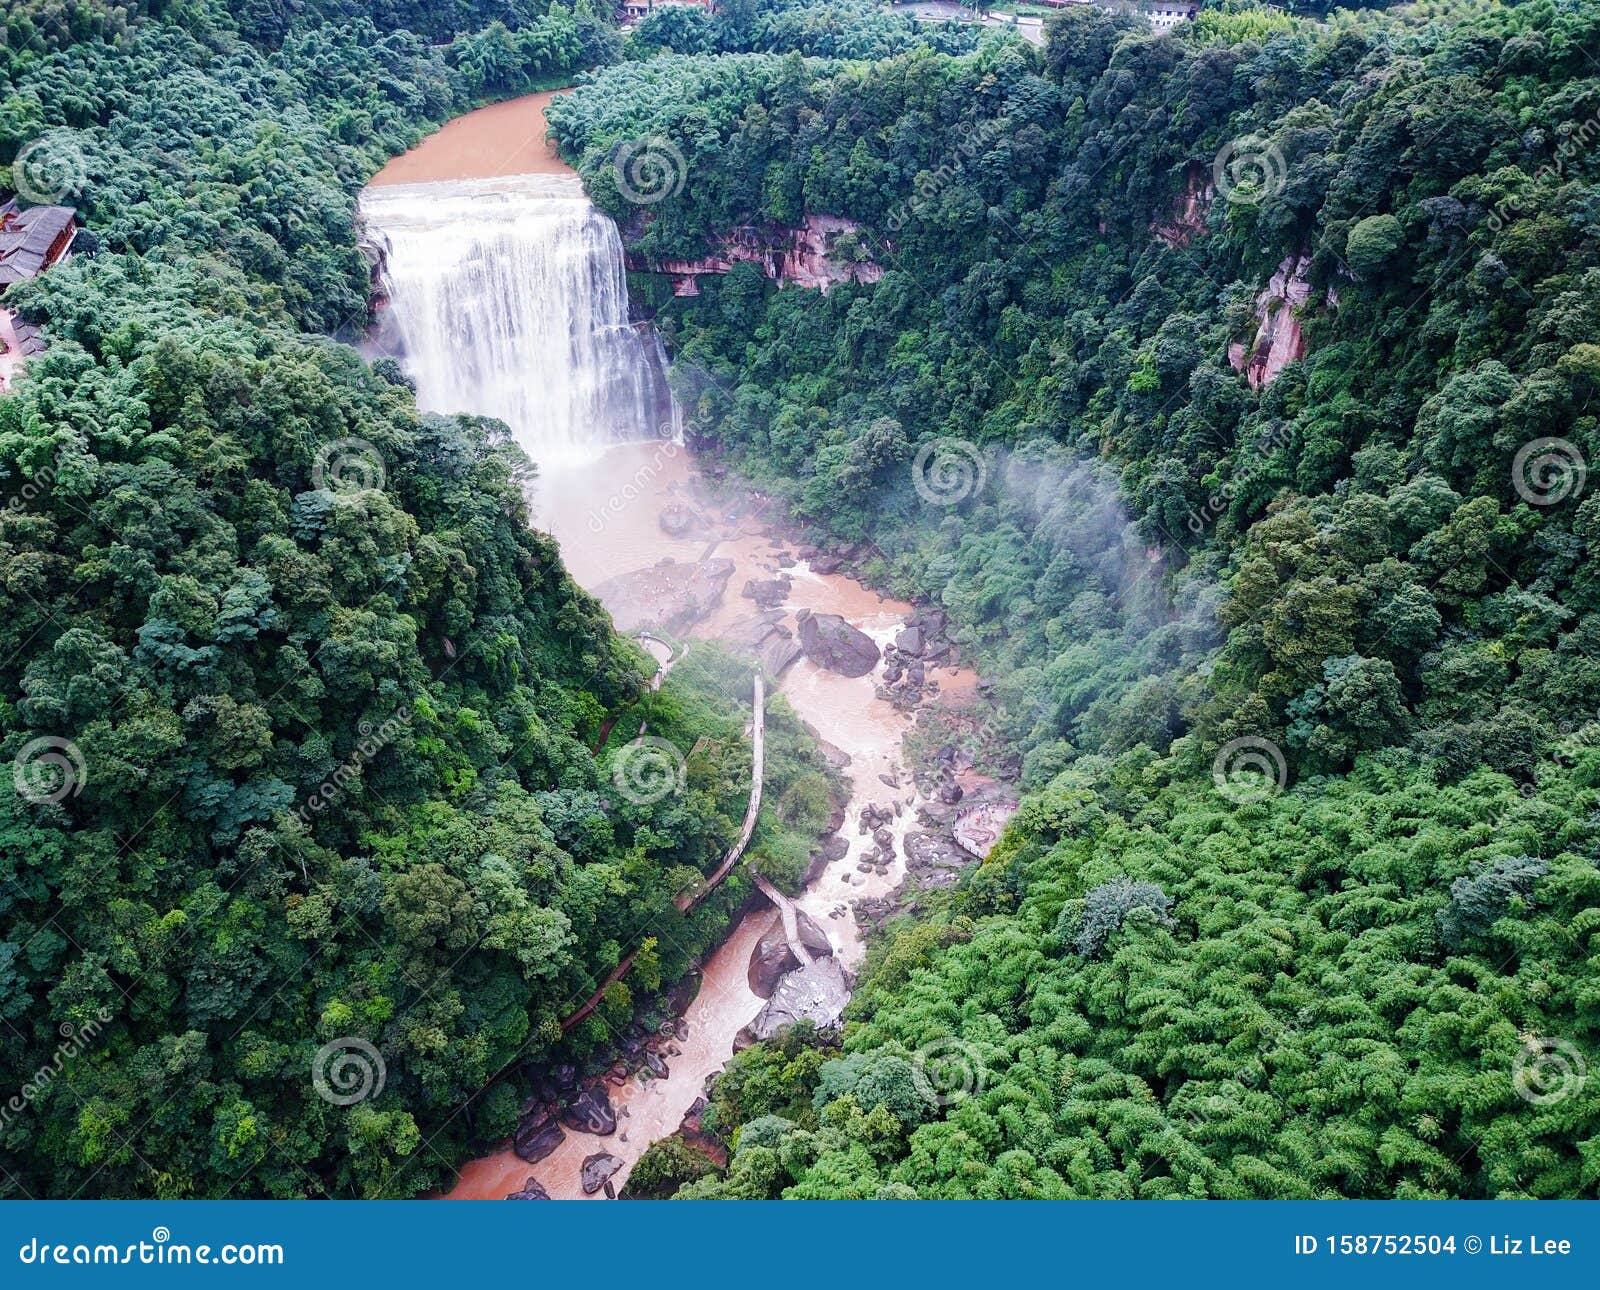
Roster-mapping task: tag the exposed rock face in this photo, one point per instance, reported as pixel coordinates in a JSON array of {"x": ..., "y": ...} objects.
[
  {"x": 832, "y": 643},
  {"x": 980, "y": 828},
  {"x": 531, "y": 1190},
  {"x": 808, "y": 256},
  {"x": 768, "y": 593},
  {"x": 765, "y": 637},
  {"x": 597, "y": 1171},
  {"x": 1278, "y": 341},
  {"x": 668, "y": 595},
  {"x": 538, "y": 1134},
  {"x": 777, "y": 655},
  {"x": 817, "y": 992},
  {"x": 590, "y": 1112},
  {"x": 772, "y": 957},
  {"x": 1188, "y": 216}
]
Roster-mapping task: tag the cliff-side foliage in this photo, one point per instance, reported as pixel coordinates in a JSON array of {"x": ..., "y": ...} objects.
[
  {"x": 1234, "y": 392},
  {"x": 309, "y": 838}
]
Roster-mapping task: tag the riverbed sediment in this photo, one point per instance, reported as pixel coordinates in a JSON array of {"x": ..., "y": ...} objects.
[{"x": 666, "y": 548}]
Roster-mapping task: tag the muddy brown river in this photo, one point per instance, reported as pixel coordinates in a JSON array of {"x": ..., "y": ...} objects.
[{"x": 606, "y": 514}]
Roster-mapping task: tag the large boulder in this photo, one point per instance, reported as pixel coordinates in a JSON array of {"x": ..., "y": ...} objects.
[
  {"x": 677, "y": 520},
  {"x": 832, "y": 643},
  {"x": 590, "y": 1112},
  {"x": 816, "y": 993},
  {"x": 909, "y": 640},
  {"x": 772, "y": 956},
  {"x": 777, "y": 655},
  {"x": 597, "y": 1171},
  {"x": 531, "y": 1190},
  {"x": 538, "y": 1134},
  {"x": 768, "y": 593}
]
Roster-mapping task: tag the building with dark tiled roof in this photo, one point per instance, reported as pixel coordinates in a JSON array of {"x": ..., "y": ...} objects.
[{"x": 33, "y": 240}]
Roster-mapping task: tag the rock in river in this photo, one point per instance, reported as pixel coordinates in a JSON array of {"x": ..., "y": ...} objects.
[
  {"x": 832, "y": 643},
  {"x": 590, "y": 1112},
  {"x": 677, "y": 520},
  {"x": 538, "y": 1135},
  {"x": 817, "y": 992},
  {"x": 772, "y": 956},
  {"x": 597, "y": 1171},
  {"x": 768, "y": 593},
  {"x": 531, "y": 1190}
]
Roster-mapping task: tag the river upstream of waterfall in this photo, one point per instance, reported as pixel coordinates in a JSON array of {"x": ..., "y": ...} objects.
[{"x": 507, "y": 297}]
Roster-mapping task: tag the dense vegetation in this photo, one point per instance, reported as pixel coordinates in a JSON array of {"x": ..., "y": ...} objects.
[
  {"x": 1372, "y": 971},
  {"x": 301, "y": 710}
]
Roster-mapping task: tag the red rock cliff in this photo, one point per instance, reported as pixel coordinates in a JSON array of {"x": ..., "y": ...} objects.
[
  {"x": 808, "y": 256},
  {"x": 1278, "y": 341}
]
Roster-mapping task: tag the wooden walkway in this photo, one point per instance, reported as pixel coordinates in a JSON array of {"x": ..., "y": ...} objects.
[
  {"x": 689, "y": 899},
  {"x": 791, "y": 924}
]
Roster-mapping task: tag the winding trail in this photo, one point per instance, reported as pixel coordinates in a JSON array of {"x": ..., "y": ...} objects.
[{"x": 686, "y": 901}]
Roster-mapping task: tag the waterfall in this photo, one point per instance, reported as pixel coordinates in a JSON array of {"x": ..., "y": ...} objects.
[{"x": 507, "y": 298}]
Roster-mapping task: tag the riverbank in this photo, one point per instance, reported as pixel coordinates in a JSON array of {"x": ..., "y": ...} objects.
[
  {"x": 637, "y": 509},
  {"x": 672, "y": 549}
]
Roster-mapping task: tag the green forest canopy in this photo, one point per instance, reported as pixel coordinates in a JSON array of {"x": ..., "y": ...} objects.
[
  {"x": 325, "y": 704},
  {"x": 1372, "y": 978},
  {"x": 1370, "y": 974}
]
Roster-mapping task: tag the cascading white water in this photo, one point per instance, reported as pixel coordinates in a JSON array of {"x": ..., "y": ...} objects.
[{"x": 507, "y": 298}]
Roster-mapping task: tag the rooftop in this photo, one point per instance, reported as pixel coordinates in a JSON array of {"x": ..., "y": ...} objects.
[{"x": 28, "y": 237}]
